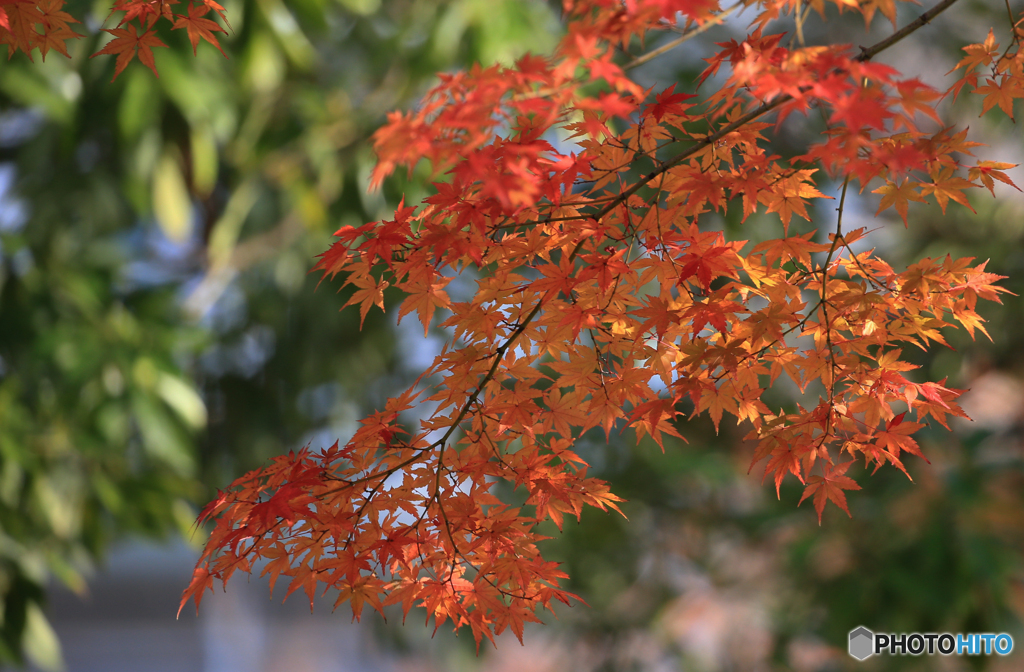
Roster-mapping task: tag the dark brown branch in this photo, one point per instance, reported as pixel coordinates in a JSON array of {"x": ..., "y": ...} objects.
[
  {"x": 870, "y": 52},
  {"x": 865, "y": 55}
]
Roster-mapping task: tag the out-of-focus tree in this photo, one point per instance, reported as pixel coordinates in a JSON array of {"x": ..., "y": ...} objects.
[{"x": 158, "y": 331}]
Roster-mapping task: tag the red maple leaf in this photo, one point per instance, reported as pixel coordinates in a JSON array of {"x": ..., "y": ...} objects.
[
  {"x": 126, "y": 43},
  {"x": 199, "y": 28}
]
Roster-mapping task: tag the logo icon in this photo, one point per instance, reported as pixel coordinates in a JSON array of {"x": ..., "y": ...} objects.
[{"x": 862, "y": 643}]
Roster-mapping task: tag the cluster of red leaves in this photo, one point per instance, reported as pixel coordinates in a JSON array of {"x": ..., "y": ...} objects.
[
  {"x": 599, "y": 302},
  {"x": 27, "y": 25},
  {"x": 1003, "y": 72}
]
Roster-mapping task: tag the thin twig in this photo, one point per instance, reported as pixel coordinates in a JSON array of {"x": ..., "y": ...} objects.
[
  {"x": 688, "y": 35},
  {"x": 865, "y": 55},
  {"x": 870, "y": 52}
]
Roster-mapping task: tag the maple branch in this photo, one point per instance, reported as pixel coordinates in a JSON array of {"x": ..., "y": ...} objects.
[
  {"x": 799, "y": 20},
  {"x": 1013, "y": 25},
  {"x": 824, "y": 313},
  {"x": 377, "y": 474},
  {"x": 685, "y": 37},
  {"x": 644, "y": 58},
  {"x": 714, "y": 347},
  {"x": 870, "y": 278},
  {"x": 868, "y": 53},
  {"x": 498, "y": 355},
  {"x": 865, "y": 55}
]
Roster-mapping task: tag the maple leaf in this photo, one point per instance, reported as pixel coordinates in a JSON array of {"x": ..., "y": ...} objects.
[
  {"x": 797, "y": 248},
  {"x": 938, "y": 402},
  {"x": 946, "y": 187},
  {"x": 750, "y": 407},
  {"x": 202, "y": 580},
  {"x": 829, "y": 488},
  {"x": 606, "y": 267},
  {"x": 365, "y": 590},
  {"x": 56, "y": 39},
  {"x": 423, "y": 297},
  {"x": 578, "y": 318},
  {"x": 899, "y": 196},
  {"x": 980, "y": 283},
  {"x": 5, "y": 22},
  {"x": 1001, "y": 93},
  {"x": 916, "y": 96},
  {"x": 284, "y": 505},
  {"x": 143, "y": 10},
  {"x": 564, "y": 411},
  {"x": 126, "y": 43},
  {"x": 21, "y": 19},
  {"x": 715, "y": 401},
  {"x": 56, "y": 31},
  {"x": 979, "y": 54},
  {"x": 668, "y": 102},
  {"x": 969, "y": 319},
  {"x": 707, "y": 265},
  {"x": 988, "y": 171},
  {"x": 787, "y": 196},
  {"x": 714, "y": 312},
  {"x": 370, "y": 292},
  {"x": 221, "y": 12},
  {"x": 783, "y": 460},
  {"x": 198, "y": 27},
  {"x": 604, "y": 412},
  {"x": 886, "y": 7},
  {"x": 896, "y": 437}
]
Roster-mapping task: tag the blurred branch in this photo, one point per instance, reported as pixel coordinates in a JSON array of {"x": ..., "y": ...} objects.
[{"x": 688, "y": 35}]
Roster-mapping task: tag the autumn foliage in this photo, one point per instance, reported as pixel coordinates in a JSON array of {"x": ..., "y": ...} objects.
[
  {"x": 576, "y": 204},
  {"x": 31, "y": 25}
]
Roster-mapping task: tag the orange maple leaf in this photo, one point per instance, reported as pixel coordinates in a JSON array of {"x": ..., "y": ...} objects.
[
  {"x": 899, "y": 196},
  {"x": 916, "y": 96},
  {"x": 986, "y": 171},
  {"x": 370, "y": 292},
  {"x": 797, "y": 248},
  {"x": 945, "y": 187},
  {"x": 202, "y": 580},
  {"x": 979, "y": 54},
  {"x": 1000, "y": 93},
  {"x": 424, "y": 297},
  {"x": 829, "y": 487}
]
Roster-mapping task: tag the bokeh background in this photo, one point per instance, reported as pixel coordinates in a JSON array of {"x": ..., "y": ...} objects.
[{"x": 160, "y": 335}]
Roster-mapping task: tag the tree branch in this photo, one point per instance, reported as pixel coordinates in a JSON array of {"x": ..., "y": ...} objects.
[
  {"x": 499, "y": 354},
  {"x": 865, "y": 55},
  {"x": 688, "y": 35},
  {"x": 870, "y": 52}
]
